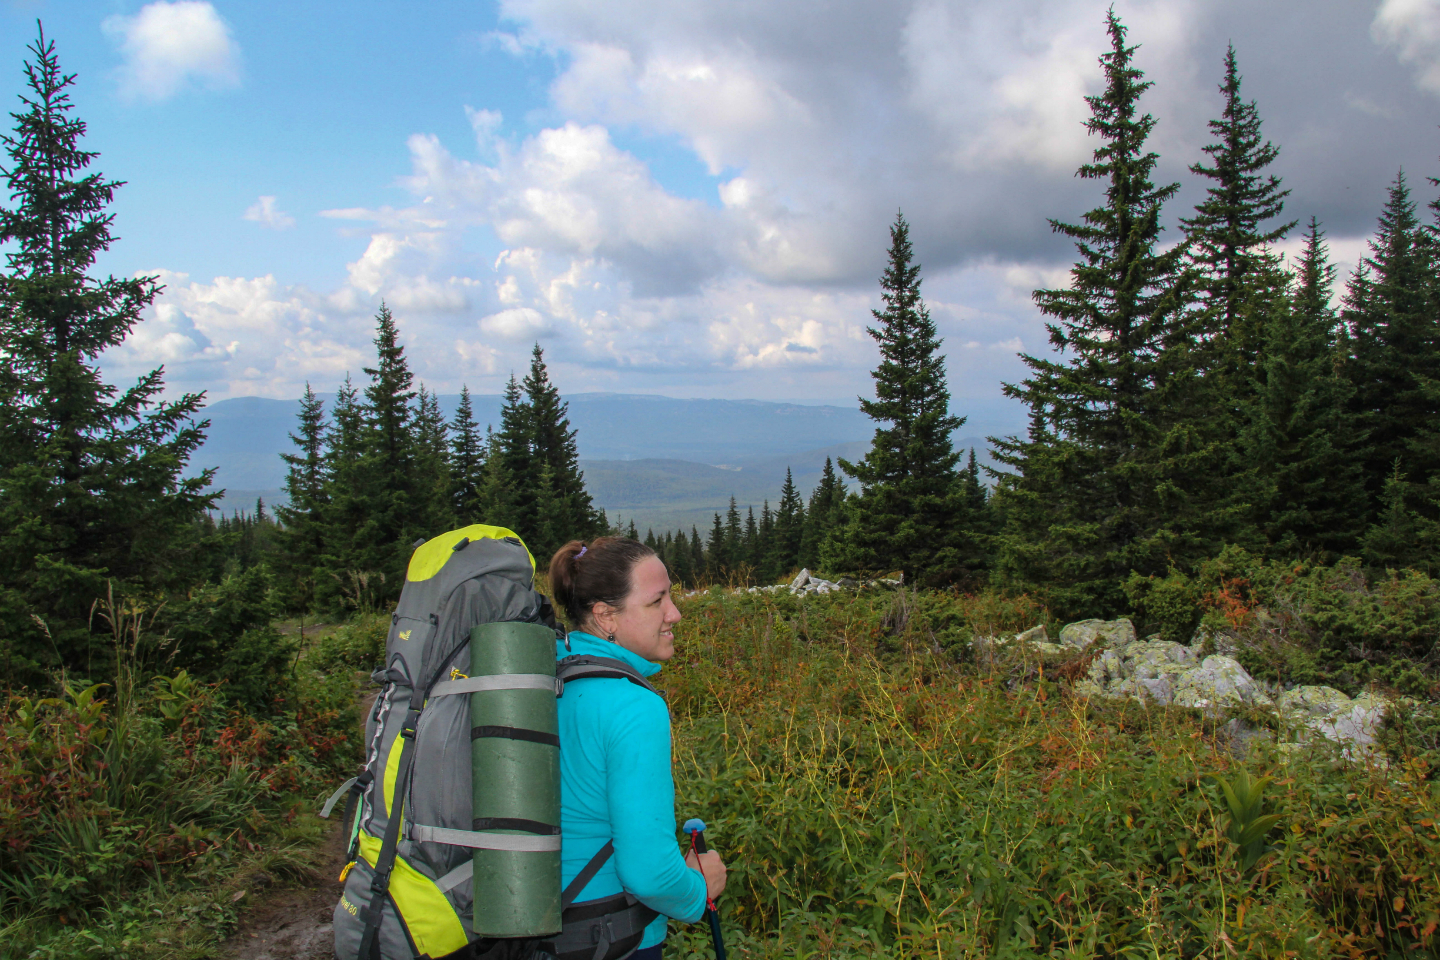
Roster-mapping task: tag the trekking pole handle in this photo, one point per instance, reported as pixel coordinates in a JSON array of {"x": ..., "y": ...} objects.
[{"x": 696, "y": 828}]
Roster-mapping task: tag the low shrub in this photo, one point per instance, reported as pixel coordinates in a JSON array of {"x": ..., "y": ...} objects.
[
  {"x": 875, "y": 803},
  {"x": 112, "y": 798}
]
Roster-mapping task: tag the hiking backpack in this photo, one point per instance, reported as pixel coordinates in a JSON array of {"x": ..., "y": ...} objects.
[{"x": 412, "y": 830}]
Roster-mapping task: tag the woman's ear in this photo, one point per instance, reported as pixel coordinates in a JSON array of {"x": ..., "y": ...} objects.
[{"x": 603, "y": 616}]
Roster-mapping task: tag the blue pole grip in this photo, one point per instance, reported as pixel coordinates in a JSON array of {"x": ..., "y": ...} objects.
[{"x": 694, "y": 825}]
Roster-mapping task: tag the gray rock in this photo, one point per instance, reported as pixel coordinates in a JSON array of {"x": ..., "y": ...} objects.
[
  {"x": 1312, "y": 702},
  {"x": 1219, "y": 682},
  {"x": 1034, "y": 635},
  {"x": 847, "y": 582},
  {"x": 1108, "y": 633}
]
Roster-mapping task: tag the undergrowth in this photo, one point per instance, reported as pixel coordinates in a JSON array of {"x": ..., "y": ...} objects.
[
  {"x": 875, "y": 799},
  {"x": 136, "y": 818}
]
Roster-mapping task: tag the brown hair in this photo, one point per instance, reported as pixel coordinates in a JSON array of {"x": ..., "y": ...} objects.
[{"x": 584, "y": 574}]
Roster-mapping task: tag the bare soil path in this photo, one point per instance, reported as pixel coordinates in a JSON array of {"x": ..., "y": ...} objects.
[{"x": 292, "y": 922}]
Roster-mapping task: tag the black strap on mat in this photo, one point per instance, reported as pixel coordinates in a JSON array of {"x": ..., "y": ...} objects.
[
  {"x": 385, "y": 860},
  {"x": 516, "y": 733},
  {"x": 482, "y": 824}
]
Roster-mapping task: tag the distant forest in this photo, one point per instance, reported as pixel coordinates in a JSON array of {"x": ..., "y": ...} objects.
[{"x": 1202, "y": 397}]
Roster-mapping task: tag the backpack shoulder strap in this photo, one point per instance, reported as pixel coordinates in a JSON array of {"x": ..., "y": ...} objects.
[{"x": 584, "y": 667}]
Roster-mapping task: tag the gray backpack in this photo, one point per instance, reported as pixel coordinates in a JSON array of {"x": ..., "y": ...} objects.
[{"x": 407, "y": 884}]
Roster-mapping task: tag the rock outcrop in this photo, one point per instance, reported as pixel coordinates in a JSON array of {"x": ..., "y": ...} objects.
[{"x": 1167, "y": 673}]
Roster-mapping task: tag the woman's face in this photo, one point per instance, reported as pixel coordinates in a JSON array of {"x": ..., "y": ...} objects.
[{"x": 644, "y": 624}]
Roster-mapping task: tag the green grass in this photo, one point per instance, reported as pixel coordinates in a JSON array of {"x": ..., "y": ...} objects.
[
  {"x": 875, "y": 794},
  {"x": 135, "y": 820},
  {"x": 876, "y": 799}
]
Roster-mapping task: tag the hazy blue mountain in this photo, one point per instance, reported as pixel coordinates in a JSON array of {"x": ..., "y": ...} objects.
[{"x": 663, "y": 461}]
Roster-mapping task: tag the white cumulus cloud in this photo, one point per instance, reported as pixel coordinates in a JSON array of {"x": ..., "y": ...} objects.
[
  {"x": 264, "y": 212},
  {"x": 1412, "y": 27},
  {"x": 169, "y": 45}
]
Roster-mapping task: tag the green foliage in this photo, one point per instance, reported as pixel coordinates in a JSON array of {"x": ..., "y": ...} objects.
[
  {"x": 1169, "y": 604},
  {"x": 91, "y": 476},
  {"x": 131, "y": 819},
  {"x": 1119, "y": 468},
  {"x": 875, "y": 800},
  {"x": 1249, "y": 824},
  {"x": 223, "y": 632},
  {"x": 907, "y": 514}
]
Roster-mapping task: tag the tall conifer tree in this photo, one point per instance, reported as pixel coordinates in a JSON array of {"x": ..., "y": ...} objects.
[
  {"x": 1297, "y": 445},
  {"x": 1231, "y": 228},
  {"x": 467, "y": 460},
  {"x": 1104, "y": 482},
  {"x": 906, "y": 511},
  {"x": 789, "y": 527},
  {"x": 1394, "y": 330},
  {"x": 552, "y": 442},
  {"x": 91, "y": 485},
  {"x": 434, "y": 486},
  {"x": 302, "y": 534}
]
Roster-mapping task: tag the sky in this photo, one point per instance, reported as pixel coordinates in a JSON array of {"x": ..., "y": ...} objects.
[{"x": 689, "y": 198}]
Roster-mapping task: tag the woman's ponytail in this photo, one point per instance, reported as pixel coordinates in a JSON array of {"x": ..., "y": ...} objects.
[{"x": 584, "y": 573}]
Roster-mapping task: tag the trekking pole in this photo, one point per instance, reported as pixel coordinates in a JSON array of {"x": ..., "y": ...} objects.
[{"x": 696, "y": 829}]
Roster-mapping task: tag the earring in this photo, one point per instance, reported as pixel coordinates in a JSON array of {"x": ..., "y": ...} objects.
[{"x": 611, "y": 638}]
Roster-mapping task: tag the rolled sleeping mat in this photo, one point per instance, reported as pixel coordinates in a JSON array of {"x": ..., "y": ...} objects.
[{"x": 515, "y": 767}]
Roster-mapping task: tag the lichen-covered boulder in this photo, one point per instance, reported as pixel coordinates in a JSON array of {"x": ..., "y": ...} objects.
[
  {"x": 1159, "y": 690},
  {"x": 1219, "y": 682},
  {"x": 1312, "y": 701},
  {"x": 1034, "y": 635},
  {"x": 1048, "y": 653},
  {"x": 1150, "y": 659},
  {"x": 1354, "y": 725},
  {"x": 1107, "y": 633}
]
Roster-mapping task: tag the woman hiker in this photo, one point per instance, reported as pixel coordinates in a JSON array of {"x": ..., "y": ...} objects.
[{"x": 616, "y": 786}]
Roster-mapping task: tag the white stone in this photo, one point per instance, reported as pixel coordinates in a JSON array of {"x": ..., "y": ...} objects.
[
  {"x": 801, "y": 578},
  {"x": 1109, "y": 633},
  {"x": 1219, "y": 681}
]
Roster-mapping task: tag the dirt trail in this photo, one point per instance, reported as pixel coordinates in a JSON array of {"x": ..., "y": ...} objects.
[{"x": 293, "y": 922}]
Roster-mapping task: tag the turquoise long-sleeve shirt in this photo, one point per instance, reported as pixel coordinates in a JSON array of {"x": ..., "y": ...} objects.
[{"x": 616, "y": 784}]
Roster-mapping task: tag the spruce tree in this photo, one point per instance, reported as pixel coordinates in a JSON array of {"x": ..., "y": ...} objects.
[
  {"x": 434, "y": 508},
  {"x": 513, "y": 442},
  {"x": 1230, "y": 231},
  {"x": 717, "y": 556},
  {"x": 302, "y": 534},
  {"x": 553, "y": 444},
  {"x": 753, "y": 548},
  {"x": 682, "y": 570},
  {"x": 766, "y": 563},
  {"x": 394, "y": 499},
  {"x": 734, "y": 539},
  {"x": 697, "y": 557},
  {"x": 91, "y": 486},
  {"x": 906, "y": 512},
  {"x": 347, "y": 486},
  {"x": 467, "y": 460},
  {"x": 1394, "y": 338},
  {"x": 827, "y": 503},
  {"x": 1297, "y": 447},
  {"x": 789, "y": 527},
  {"x": 1110, "y": 477},
  {"x": 494, "y": 502}
]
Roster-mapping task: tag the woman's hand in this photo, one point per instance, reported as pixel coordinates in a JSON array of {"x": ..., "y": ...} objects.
[{"x": 712, "y": 868}]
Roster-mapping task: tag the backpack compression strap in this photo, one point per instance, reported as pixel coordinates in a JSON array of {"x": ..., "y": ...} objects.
[
  {"x": 385, "y": 860},
  {"x": 585, "y": 667}
]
